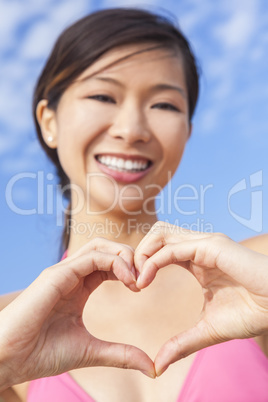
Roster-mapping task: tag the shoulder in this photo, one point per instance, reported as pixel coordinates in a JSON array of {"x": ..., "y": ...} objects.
[{"x": 257, "y": 243}]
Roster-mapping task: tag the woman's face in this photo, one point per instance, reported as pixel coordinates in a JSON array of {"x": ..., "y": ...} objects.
[{"x": 122, "y": 132}]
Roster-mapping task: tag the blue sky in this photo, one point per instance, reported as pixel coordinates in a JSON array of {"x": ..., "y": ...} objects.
[{"x": 224, "y": 170}]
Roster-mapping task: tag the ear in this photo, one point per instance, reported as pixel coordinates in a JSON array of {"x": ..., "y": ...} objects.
[{"x": 47, "y": 121}]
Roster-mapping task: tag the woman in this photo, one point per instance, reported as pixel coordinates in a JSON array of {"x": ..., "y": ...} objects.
[{"x": 113, "y": 109}]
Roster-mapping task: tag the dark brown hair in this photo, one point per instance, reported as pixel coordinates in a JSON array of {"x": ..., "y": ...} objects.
[{"x": 81, "y": 44}]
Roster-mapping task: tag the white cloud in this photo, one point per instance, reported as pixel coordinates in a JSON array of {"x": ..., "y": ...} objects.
[
  {"x": 17, "y": 12},
  {"x": 19, "y": 154},
  {"x": 192, "y": 18},
  {"x": 39, "y": 40},
  {"x": 43, "y": 33},
  {"x": 11, "y": 164},
  {"x": 17, "y": 85},
  {"x": 236, "y": 31},
  {"x": 128, "y": 3},
  {"x": 7, "y": 142},
  {"x": 11, "y": 16},
  {"x": 15, "y": 105},
  {"x": 67, "y": 12}
]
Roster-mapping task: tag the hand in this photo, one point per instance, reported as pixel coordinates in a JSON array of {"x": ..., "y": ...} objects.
[
  {"x": 42, "y": 331},
  {"x": 234, "y": 281}
]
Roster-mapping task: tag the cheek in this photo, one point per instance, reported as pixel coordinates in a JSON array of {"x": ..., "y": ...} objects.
[
  {"x": 76, "y": 129},
  {"x": 172, "y": 134},
  {"x": 78, "y": 125}
]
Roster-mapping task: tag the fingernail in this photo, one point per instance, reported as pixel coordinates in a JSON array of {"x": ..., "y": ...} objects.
[
  {"x": 151, "y": 375},
  {"x": 160, "y": 372}
]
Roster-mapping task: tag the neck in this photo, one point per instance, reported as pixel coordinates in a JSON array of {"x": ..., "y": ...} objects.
[{"x": 127, "y": 229}]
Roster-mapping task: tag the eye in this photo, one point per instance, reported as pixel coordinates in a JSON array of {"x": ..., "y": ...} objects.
[
  {"x": 166, "y": 106},
  {"x": 102, "y": 98}
]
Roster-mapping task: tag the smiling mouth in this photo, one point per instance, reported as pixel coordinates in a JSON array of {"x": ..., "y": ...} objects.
[{"x": 123, "y": 165}]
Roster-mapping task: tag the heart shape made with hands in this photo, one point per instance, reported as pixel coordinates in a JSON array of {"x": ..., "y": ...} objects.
[
  {"x": 67, "y": 286},
  {"x": 212, "y": 321},
  {"x": 224, "y": 288},
  {"x": 139, "y": 259},
  {"x": 166, "y": 245}
]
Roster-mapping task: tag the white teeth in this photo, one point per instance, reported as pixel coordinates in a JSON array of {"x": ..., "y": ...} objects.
[
  {"x": 108, "y": 160},
  {"x": 113, "y": 162},
  {"x": 121, "y": 164},
  {"x": 129, "y": 165},
  {"x": 136, "y": 165}
]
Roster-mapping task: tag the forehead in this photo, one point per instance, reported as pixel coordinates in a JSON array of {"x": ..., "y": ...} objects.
[{"x": 134, "y": 58}]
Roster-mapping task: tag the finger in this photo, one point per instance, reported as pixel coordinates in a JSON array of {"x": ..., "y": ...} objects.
[
  {"x": 94, "y": 280},
  {"x": 59, "y": 280},
  {"x": 107, "y": 246},
  {"x": 150, "y": 244},
  {"x": 161, "y": 234},
  {"x": 215, "y": 251},
  {"x": 109, "y": 266},
  {"x": 181, "y": 346},
  {"x": 119, "y": 355},
  {"x": 178, "y": 253}
]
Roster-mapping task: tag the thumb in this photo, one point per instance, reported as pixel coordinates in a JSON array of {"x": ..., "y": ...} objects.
[
  {"x": 181, "y": 346},
  {"x": 120, "y": 355}
]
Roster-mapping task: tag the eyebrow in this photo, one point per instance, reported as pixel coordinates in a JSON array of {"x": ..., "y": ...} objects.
[{"x": 154, "y": 88}]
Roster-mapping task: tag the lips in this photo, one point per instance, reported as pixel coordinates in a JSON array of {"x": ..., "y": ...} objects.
[{"x": 122, "y": 167}]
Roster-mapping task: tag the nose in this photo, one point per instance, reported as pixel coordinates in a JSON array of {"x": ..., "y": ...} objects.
[{"x": 130, "y": 124}]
